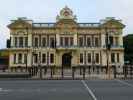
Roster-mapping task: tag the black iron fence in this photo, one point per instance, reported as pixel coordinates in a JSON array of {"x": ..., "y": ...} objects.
[{"x": 75, "y": 72}]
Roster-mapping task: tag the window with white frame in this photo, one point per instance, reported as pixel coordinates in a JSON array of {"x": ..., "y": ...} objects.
[
  {"x": 21, "y": 41},
  {"x": 97, "y": 57},
  {"x": 44, "y": 58},
  {"x": 52, "y": 42},
  {"x": 44, "y": 42},
  {"x": 113, "y": 57},
  {"x": 14, "y": 58},
  {"x": 89, "y": 57},
  {"x": 26, "y": 41},
  {"x": 36, "y": 41},
  {"x": 25, "y": 58},
  {"x": 35, "y": 58},
  {"x": 81, "y": 58},
  {"x": 81, "y": 41},
  {"x": 20, "y": 58},
  {"x": 15, "y": 41},
  {"x": 61, "y": 41},
  {"x": 118, "y": 57},
  {"x": 71, "y": 41},
  {"x": 96, "y": 41},
  {"x": 51, "y": 58},
  {"x": 88, "y": 41}
]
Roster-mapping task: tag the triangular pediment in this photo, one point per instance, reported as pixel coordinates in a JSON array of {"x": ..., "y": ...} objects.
[
  {"x": 113, "y": 24},
  {"x": 19, "y": 24}
]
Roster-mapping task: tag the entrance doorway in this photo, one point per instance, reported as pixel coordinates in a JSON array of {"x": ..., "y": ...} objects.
[{"x": 66, "y": 60}]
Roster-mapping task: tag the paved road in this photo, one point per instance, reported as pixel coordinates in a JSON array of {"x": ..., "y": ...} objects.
[{"x": 66, "y": 90}]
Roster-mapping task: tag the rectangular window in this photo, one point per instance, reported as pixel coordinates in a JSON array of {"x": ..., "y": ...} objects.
[
  {"x": 51, "y": 58},
  {"x": 20, "y": 58},
  {"x": 81, "y": 58},
  {"x": 66, "y": 41},
  {"x": 25, "y": 58},
  {"x": 44, "y": 58},
  {"x": 111, "y": 42},
  {"x": 97, "y": 57},
  {"x": 71, "y": 41},
  {"x": 36, "y": 42},
  {"x": 14, "y": 60},
  {"x": 61, "y": 41},
  {"x": 52, "y": 42},
  {"x": 35, "y": 58},
  {"x": 116, "y": 41},
  {"x": 26, "y": 41},
  {"x": 43, "y": 42},
  {"x": 96, "y": 42},
  {"x": 118, "y": 59},
  {"x": 15, "y": 41},
  {"x": 88, "y": 42},
  {"x": 81, "y": 41},
  {"x": 20, "y": 41},
  {"x": 89, "y": 57},
  {"x": 113, "y": 57}
]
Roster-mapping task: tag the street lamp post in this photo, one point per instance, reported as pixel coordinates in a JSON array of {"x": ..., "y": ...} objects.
[
  {"x": 26, "y": 44},
  {"x": 108, "y": 47}
]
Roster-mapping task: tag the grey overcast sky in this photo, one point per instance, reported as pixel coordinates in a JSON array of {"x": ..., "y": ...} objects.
[{"x": 46, "y": 11}]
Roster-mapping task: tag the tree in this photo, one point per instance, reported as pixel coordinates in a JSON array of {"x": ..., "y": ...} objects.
[{"x": 128, "y": 45}]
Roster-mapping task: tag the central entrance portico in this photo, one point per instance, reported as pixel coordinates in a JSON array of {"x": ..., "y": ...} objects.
[{"x": 66, "y": 60}]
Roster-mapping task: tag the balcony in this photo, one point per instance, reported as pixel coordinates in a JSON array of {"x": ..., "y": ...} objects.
[
  {"x": 115, "y": 47},
  {"x": 74, "y": 47}
]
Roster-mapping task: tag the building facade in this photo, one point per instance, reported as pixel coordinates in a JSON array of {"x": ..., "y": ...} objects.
[{"x": 66, "y": 42}]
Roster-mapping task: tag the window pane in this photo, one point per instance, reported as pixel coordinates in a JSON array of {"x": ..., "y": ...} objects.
[
  {"x": 61, "y": 41},
  {"x": 51, "y": 58},
  {"x": 20, "y": 58},
  {"x": 52, "y": 42},
  {"x": 96, "y": 41},
  {"x": 97, "y": 57},
  {"x": 43, "y": 42},
  {"x": 81, "y": 41},
  {"x": 71, "y": 41},
  {"x": 43, "y": 58},
  {"x": 26, "y": 41},
  {"x": 118, "y": 60},
  {"x": 35, "y": 58},
  {"x": 88, "y": 41},
  {"x": 112, "y": 57},
  {"x": 66, "y": 41},
  {"x": 15, "y": 41},
  {"x": 20, "y": 41},
  {"x": 14, "y": 59},
  {"x": 36, "y": 42},
  {"x": 111, "y": 40},
  {"x": 25, "y": 58},
  {"x": 89, "y": 57},
  {"x": 81, "y": 57},
  {"x": 117, "y": 41}
]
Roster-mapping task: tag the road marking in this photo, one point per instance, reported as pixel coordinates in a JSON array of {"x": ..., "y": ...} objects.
[
  {"x": 125, "y": 83},
  {"x": 89, "y": 90},
  {"x": 5, "y": 90}
]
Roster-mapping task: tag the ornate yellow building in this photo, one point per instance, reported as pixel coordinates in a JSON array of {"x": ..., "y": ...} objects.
[{"x": 66, "y": 42}]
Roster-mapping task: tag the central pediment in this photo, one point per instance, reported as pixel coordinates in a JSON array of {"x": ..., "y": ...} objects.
[{"x": 66, "y": 19}]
